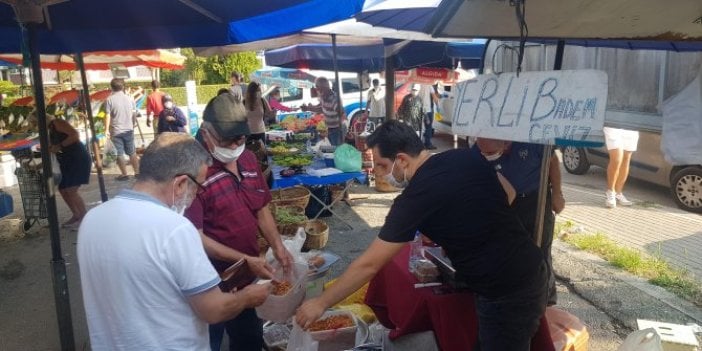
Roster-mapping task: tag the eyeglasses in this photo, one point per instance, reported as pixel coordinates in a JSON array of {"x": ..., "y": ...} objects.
[{"x": 200, "y": 187}]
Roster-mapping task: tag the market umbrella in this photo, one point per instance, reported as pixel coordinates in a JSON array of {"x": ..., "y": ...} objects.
[
  {"x": 24, "y": 101},
  {"x": 100, "y": 95},
  {"x": 68, "y": 97},
  {"x": 102, "y": 60}
]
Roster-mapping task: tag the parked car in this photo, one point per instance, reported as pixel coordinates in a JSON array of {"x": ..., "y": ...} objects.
[{"x": 648, "y": 164}]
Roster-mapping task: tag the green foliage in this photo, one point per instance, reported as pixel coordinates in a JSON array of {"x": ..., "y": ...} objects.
[
  {"x": 6, "y": 87},
  {"x": 211, "y": 70},
  {"x": 204, "y": 93},
  {"x": 655, "y": 269},
  {"x": 218, "y": 69}
]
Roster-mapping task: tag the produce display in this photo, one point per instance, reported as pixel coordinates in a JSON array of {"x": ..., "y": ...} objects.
[
  {"x": 287, "y": 216},
  {"x": 293, "y": 160},
  {"x": 332, "y": 323},
  {"x": 14, "y": 119},
  {"x": 281, "y": 288},
  {"x": 282, "y": 148}
]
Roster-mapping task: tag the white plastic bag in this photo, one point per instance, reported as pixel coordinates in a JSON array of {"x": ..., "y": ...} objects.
[
  {"x": 301, "y": 340},
  {"x": 280, "y": 308},
  {"x": 55, "y": 170},
  {"x": 642, "y": 340},
  {"x": 294, "y": 246}
]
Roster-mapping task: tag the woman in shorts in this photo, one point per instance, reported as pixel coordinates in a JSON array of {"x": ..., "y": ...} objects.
[{"x": 621, "y": 143}]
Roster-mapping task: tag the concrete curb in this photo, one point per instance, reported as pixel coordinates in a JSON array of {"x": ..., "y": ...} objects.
[{"x": 620, "y": 295}]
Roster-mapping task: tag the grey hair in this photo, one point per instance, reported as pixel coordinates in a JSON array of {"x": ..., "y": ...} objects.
[{"x": 172, "y": 154}]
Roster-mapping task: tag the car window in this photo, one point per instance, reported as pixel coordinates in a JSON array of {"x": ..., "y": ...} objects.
[
  {"x": 290, "y": 94},
  {"x": 350, "y": 85}
]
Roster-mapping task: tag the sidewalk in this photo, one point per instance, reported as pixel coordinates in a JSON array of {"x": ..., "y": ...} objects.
[{"x": 674, "y": 234}]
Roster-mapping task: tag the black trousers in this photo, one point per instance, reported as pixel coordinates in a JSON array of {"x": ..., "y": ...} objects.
[
  {"x": 526, "y": 208},
  {"x": 245, "y": 332}
]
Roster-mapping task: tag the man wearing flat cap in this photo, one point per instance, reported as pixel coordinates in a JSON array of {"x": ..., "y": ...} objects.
[{"x": 231, "y": 208}]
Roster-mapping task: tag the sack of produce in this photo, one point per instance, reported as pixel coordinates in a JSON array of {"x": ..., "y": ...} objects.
[{"x": 347, "y": 158}]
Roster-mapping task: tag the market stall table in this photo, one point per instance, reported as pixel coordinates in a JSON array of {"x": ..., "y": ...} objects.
[
  {"x": 405, "y": 309},
  {"x": 311, "y": 180}
]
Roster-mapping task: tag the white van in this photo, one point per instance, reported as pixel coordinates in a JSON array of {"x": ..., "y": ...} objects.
[{"x": 353, "y": 95}]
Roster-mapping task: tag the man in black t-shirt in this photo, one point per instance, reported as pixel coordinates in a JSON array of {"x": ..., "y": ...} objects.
[{"x": 455, "y": 199}]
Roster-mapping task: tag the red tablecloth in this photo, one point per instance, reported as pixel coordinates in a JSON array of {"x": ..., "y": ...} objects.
[{"x": 452, "y": 316}]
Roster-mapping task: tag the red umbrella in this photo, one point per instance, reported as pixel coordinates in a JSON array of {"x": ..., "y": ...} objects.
[
  {"x": 25, "y": 101},
  {"x": 100, "y": 95},
  {"x": 69, "y": 97},
  {"x": 101, "y": 60}
]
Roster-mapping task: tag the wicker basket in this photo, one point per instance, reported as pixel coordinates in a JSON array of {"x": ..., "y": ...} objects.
[
  {"x": 291, "y": 228},
  {"x": 294, "y": 196},
  {"x": 317, "y": 235}
]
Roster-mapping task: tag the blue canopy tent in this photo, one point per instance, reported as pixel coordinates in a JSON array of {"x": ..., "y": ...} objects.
[
  {"x": 630, "y": 24},
  {"x": 76, "y": 26},
  {"x": 89, "y": 25}
]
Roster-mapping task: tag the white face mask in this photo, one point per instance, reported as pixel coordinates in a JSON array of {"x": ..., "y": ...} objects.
[
  {"x": 227, "y": 155},
  {"x": 168, "y": 105},
  {"x": 493, "y": 157},
  {"x": 394, "y": 182},
  {"x": 180, "y": 206}
]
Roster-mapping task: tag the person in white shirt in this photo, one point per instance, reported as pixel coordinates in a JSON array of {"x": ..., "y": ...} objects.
[
  {"x": 147, "y": 283},
  {"x": 376, "y": 103}
]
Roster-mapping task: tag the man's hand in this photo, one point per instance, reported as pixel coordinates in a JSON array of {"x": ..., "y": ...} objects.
[
  {"x": 259, "y": 267},
  {"x": 256, "y": 294},
  {"x": 284, "y": 258},
  {"x": 309, "y": 312},
  {"x": 557, "y": 202}
]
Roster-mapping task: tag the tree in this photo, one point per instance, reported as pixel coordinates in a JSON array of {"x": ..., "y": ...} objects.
[
  {"x": 212, "y": 70},
  {"x": 218, "y": 69},
  {"x": 8, "y": 88}
]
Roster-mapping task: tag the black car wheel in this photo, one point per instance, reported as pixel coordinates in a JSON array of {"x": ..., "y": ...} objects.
[
  {"x": 574, "y": 160},
  {"x": 686, "y": 186}
]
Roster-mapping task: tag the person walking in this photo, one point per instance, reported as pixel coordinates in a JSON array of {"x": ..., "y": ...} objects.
[
  {"x": 171, "y": 118},
  {"x": 154, "y": 105},
  {"x": 120, "y": 118},
  {"x": 621, "y": 144},
  {"x": 146, "y": 281},
  {"x": 411, "y": 110}
]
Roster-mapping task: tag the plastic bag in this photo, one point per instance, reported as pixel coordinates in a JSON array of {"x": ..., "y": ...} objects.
[
  {"x": 280, "y": 308},
  {"x": 642, "y": 340},
  {"x": 301, "y": 340},
  {"x": 110, "y": 153},
  {"x": 294, "y": 246},
  {"x": 55, "y": 169},
  {"x": 347, "y": 158}
]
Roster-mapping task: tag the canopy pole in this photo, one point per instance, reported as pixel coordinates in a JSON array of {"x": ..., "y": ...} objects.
[
  {"x": 360, "y": 90},
  {"x": 340, "y": 107},
  {"x": 95, "y": 147},
  {"x": 481, "y": 70},
  {"x": 389, "y": 87},
  {"x": 546, "y": 165},
  {"x": 58, "y": 265}
]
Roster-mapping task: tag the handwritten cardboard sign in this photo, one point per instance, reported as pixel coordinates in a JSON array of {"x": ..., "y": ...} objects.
[{"x": 536, "y": 107}]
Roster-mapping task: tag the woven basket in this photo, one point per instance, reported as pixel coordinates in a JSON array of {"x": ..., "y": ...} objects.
[
  {"x": 317, "y": 235},
  {"x": 291, "y": 228},
  {"x": 294, "y": 196}
]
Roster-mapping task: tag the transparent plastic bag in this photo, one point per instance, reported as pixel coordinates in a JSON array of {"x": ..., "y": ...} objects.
[
  {"x": 280, "y": 308},
  {"x": 642, "y": 340},
  {"x": 301, "y": 340}
]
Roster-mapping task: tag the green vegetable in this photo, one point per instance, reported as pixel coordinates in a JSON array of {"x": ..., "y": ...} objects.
[{"x": 285, "y": 216}]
